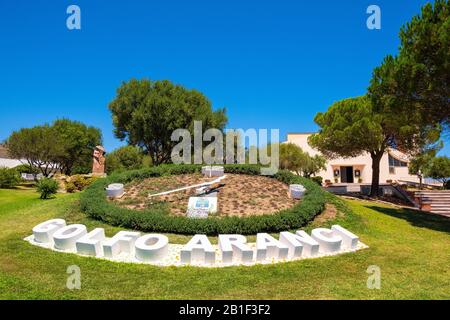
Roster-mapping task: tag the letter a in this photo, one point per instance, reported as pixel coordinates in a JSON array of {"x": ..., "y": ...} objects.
[
  {"x": 74, "y": 20},
  {"x": 374, "y": 20}
]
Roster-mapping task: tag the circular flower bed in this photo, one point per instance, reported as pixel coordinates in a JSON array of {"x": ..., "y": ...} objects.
[
  {"x": 240, "y": 195},
  {"x": 95, "y": 204}
]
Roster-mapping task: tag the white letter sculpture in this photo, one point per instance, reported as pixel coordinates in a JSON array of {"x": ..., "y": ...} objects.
[
  {"x": 301, "y": 239},
  {"x": 44, "y": 231},
  {"x": 268, "y": 247},
  {"x": 349, "y": 240},
  {"x": 234, "y": 248},
  {"x": 328, "y": 240},
  {"x": 91, "y": 244},
  {"x": 198, "y": 249},
  {"x": 152, "y": 247},
  {"x": 66, "y": 237},
  {"x": 123, "y": 241}
]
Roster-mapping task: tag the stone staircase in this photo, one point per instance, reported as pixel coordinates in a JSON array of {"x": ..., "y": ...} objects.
[{"x": 435, "y": 201}]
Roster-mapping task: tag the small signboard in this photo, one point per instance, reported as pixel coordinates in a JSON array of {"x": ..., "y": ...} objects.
[{"x": 200, "y": 207}]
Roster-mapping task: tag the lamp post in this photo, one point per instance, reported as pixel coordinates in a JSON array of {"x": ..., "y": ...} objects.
[{"x": 419, "y": 174}]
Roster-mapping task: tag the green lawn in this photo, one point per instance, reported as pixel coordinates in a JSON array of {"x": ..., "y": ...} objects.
[{"x": 412, "y": 250}]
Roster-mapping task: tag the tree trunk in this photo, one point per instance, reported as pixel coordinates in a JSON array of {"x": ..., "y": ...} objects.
[{"x": 376, "y": 158}]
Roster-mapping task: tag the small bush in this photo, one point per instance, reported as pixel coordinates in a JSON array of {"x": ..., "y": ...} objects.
[
  {"x": 79, "y": 183},
  {"x": 71, "y": 187},
  {"x": 94, "y": 203},
  {"x": 9, "y": 178},
  {"x": 317, "y": 180},
  {"x": 47, "y": 187}
]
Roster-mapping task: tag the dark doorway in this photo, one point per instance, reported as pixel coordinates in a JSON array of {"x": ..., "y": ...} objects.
[{"x": 347, "y": 174}]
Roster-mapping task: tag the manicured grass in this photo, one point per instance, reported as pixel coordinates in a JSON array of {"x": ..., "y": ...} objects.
[{"x": 412, "y": 249}]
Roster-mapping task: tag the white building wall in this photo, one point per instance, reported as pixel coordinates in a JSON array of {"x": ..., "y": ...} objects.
[
  {"x": 10, "y": 163},
  {"x": 362, "y": 163}
]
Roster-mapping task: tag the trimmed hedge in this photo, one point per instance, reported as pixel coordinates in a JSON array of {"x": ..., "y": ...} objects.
[{"x": 94, "y": 203}]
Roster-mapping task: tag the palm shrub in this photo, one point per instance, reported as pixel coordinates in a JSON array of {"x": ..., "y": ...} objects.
[{"x": 47, "y": 187}]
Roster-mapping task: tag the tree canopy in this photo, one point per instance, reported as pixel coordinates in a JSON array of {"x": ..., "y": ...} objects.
[
  {"x": 146, "y": 112},
  {"x": 39, "y": 146},
  {"x": 439, "y": 169},
  {"x": 293, "y": 158},
  {"x": 78, "y": 141},
  {"x": 127, "y": 157},
  {"x": 58, "y": 147},
  {"x": 416, "y": 82},
  {"x": 352, "y": 127}
]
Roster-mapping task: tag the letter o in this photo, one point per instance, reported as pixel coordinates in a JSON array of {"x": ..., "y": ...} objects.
[
  {"x": 66, "y": 238},
  {"x": 151, "y": 247}
]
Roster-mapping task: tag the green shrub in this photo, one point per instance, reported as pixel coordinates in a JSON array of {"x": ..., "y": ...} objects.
[
  {"x": 317, "y": 179},
  {"x": 124, "y": 158},
  {"x": 47, "y": 187},
  {"x": 79, "y": 183},
  {"x": 94, "y": 203},
  {"x": 9, "y": 178},
  {"x": 71, "y": 187}
]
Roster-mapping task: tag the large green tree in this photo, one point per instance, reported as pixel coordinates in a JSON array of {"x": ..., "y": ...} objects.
[
  {"x": 77, "y": 140},
  {"x": 124, "y": 158},
  {"x": 292, "y": 157},
  {"x": 313, "y": 165},
  {"x": 58, "y": 147},
  {"x": 439, "y": 169},
  {"x": 146, "y": 113},
  {"x": 39, "y": 146},
  {"x": 417, "y": 80},
  {"x": 351, "y": 127}
]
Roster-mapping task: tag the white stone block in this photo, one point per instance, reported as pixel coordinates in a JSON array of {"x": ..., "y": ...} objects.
[
  {"x": 91, "y": 244},
  {"x": 329, "y": 242},
  {"x": 235, "y": 249},
  {"x": 115, "y": 190},
  {"x": 66, "y": 237},
  {"x": 267, "y": 247},
  {"x": 43, "y": 232},
  {"x": 310, "y": 246},
  {"x": 123, "y": 241},
  {"x": 297, "y": 191},
  {"x": 294, "y": 245},
  {"x": 152, "y": 247},
  {"x": 198, "y": 250},
  {"x": 213, "y": 171},
  {"x": 349, "y": 240}
]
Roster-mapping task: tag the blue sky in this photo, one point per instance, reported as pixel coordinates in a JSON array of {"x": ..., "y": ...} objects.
[{"x": 273, "y": 64}]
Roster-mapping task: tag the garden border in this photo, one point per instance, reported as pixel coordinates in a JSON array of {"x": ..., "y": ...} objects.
[{"x": 94, "y": 203}]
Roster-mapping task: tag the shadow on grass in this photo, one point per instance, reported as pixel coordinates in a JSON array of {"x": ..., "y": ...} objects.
[{"x": 416, "y": 218}]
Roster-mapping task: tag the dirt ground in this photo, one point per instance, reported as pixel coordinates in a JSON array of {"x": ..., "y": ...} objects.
[{"x": 242, "y": 195}]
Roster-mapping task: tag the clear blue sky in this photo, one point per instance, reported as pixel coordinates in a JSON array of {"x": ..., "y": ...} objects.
[{"x": 273, "y": 64}]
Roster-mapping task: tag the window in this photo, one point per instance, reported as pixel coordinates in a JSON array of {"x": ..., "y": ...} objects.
[{"x": 396, "y": 163}]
